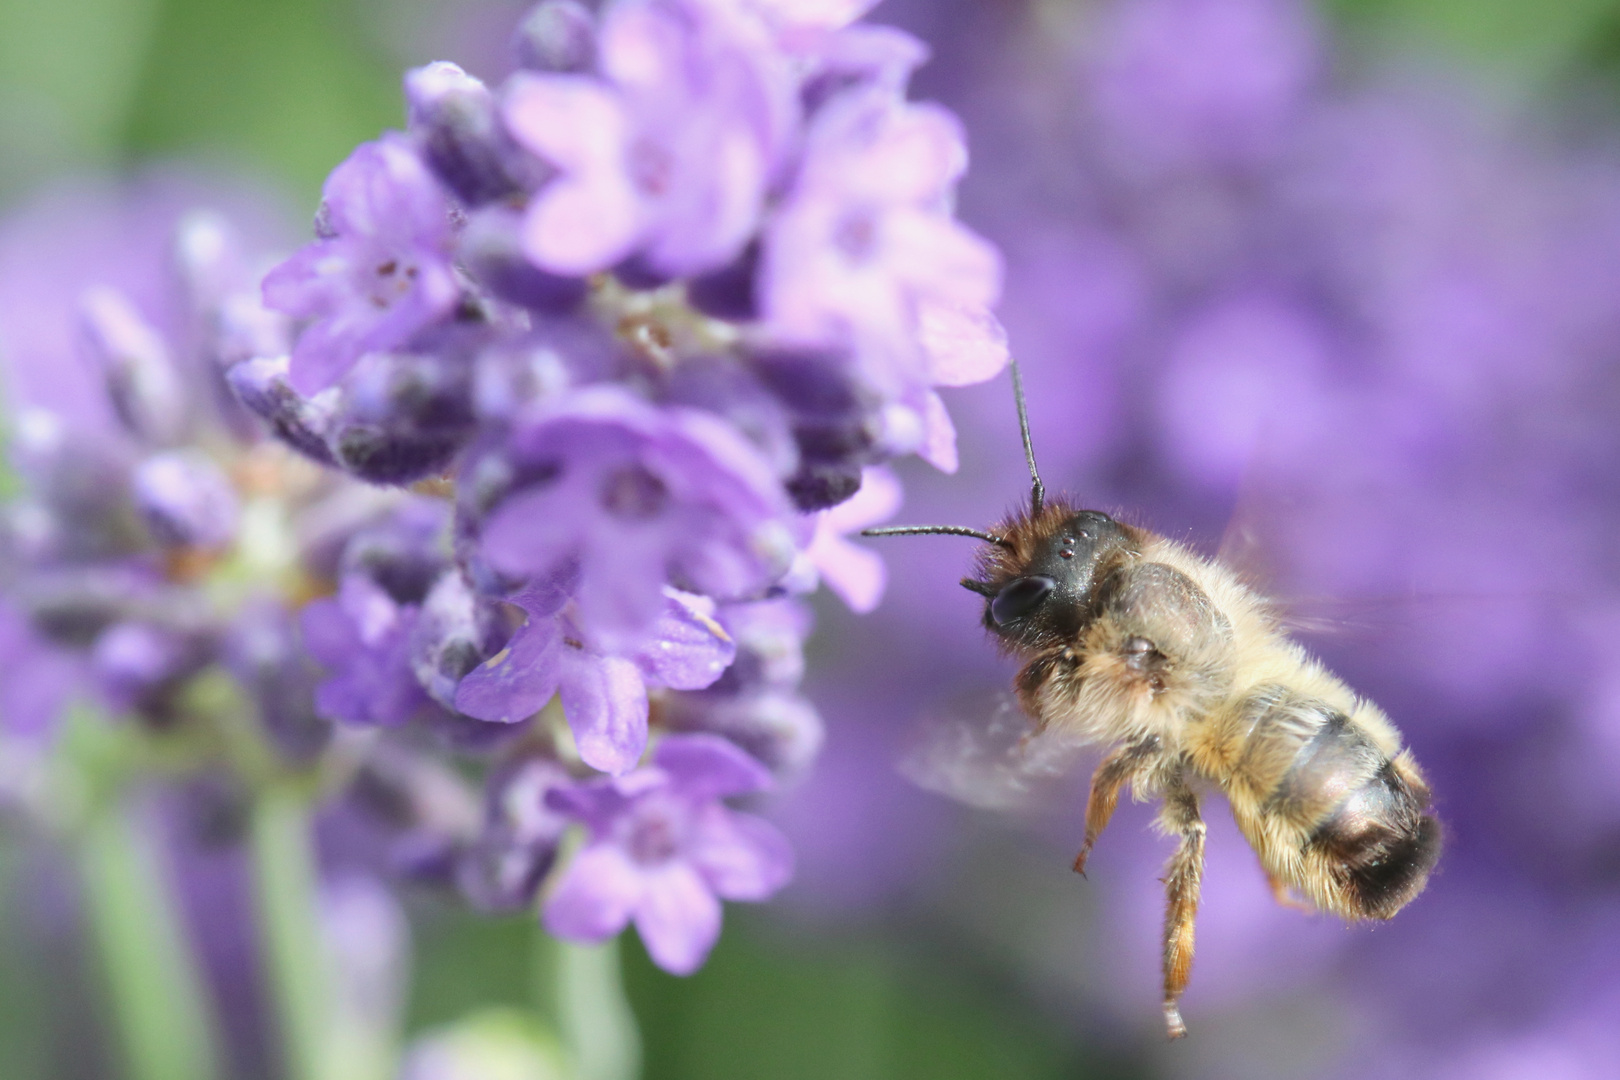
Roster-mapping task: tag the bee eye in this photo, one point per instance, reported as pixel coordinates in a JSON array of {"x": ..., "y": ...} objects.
[{"x": 1019, "y": 598}]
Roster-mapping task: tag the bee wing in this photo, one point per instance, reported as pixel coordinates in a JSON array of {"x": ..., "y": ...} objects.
[
  {"x": 1255, "y": 546},
  {"x": 990, "y": 757}
]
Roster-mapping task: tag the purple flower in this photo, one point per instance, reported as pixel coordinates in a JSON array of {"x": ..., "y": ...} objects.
[
  {"x": 186, "y": 500},
  {"x": 637, "y": 496},
  {"x": 863, "y": 242},
  {"x": 557, "y": 35},
  {"x": 664, "y": 851},
  {"x": 455, "y": 120},
  {"x": 502, "y": 869},
  {"x": 142, "y": 383},
  {"x": 380, "y": 271},
  {"x": 853, "y": 572},
  {"x": 670, "y": 155},
  {"x": 604, "y": 696},
  {"x": 264, "y": 652},
  {"x": 362, "y": 637},
  {"x": 136, "y": 662}
]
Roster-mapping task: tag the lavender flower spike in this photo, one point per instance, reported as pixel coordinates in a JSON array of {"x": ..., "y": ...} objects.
[
  {"x": 664, "y": 851},
  {"x": 380, "y": 271}
]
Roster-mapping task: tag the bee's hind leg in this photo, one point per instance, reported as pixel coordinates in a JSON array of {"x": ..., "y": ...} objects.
[
  {"x": 1183, "y": 877},
  {"x": 1116, "y": 770},
  {"x": 1280, "y": 893}
]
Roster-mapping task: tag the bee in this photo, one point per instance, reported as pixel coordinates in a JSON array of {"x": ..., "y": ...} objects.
[{"x": 1131, "y": 640}]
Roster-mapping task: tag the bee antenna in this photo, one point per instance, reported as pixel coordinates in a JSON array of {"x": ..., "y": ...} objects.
[
  {"x": 977, "y": 586},
  {"x": 1037, "y": 495},
  {"x": 937, "y": 530}
]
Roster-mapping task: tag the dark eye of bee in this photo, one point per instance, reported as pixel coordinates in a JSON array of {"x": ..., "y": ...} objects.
[{"x": 1019, "y": 598}]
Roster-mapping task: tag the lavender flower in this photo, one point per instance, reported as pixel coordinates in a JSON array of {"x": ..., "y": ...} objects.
[
  {"x": 664, "y": 851},
  {"x": 666, "y": 157},
  {"x": 855, "y": 573},
  {"x": 636, "y": 496},
  {"x": 185, "y": 500},
  {"x": 362, "y": 636},
  {"x": 598, "y": 321},
  {"x": 380, "y": 271},
  {"x": 863, "y": 246},
  {"x": 604, "y": 696}
]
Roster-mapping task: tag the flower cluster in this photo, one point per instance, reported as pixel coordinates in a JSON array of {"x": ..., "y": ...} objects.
[{"x": 530, "y": 456}]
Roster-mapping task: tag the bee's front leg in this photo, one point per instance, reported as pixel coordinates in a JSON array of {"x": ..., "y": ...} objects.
[
  {"x": 1183, "y": 877},
  {"x": 1117, "y": 769}
]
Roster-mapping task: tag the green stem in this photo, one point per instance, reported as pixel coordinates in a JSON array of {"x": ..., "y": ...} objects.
[
  {"x": 157, "y": 998},
  {"x": 581, "y": 990},
  {"x": 290, "y": 929}
]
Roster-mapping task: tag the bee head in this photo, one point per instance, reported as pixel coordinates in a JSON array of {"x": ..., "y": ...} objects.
[
  {"x": 1039, "y": 569},
  {"x": 1039, "y": 581}
]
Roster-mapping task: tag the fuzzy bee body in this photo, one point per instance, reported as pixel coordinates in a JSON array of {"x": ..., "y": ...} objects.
[{"x": 1130, "y": 640}]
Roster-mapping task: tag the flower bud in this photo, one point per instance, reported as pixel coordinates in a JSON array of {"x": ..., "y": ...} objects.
[
  {"x": 141, "y": 379},
  {"x": 459, "y": 131},
  {"x": 557, "y": 35},
  {"x": 302, "y": 423},
  {"x": 185, "y": 500},
  {"x": 491, "y": 248}
]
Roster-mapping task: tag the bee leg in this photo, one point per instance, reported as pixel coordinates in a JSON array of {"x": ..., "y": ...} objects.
[
  {"x": 1115, "y": 771},
  {"x": 1280, "y": 893},
  {"x": 1183, "y": 877}
]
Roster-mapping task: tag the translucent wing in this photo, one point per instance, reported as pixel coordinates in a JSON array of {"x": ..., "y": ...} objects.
[
  {"x": 985, "y": 753},
  {"x": 1257, "y": 545}
]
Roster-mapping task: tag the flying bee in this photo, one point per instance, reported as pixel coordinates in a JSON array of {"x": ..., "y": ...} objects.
[{"x": 1130, "y": 640}]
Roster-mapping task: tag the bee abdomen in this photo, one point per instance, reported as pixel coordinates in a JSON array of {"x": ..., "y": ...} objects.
[
  {"x": 1380, "y": 843},
  {"x": 1361, "y": 814}
]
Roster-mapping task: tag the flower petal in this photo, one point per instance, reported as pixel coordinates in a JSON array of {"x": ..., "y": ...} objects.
[
  {"x": 689, "y": 650},
  {"x": 704, "y": 767},
  {"x": 965, "y": 344},
  {"x": 598, "y": 891},
  {"x": 741, "y": 856},
  {"x": 516, "y": 682},
  {"x": 679, "y": 919},
  {"x": 856, "y": 574},
  {"x": 939, "y": 435},
  {"x": 605, "y": 701}
]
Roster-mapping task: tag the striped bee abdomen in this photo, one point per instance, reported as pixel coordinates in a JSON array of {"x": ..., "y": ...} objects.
[{"x": 1362, "y": 815}]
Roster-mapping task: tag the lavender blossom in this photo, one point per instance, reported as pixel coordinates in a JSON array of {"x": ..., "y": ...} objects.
[
  {"x": 185, "y": 500},
  {"x": 527, "y": 437},
  {"x": 863, "y": 246},
  {"x": 503, "y": 868},
  {"x": 637, "y": 496},
  {"x": 380, "y": 271},
  {"x": 667, "y": 156},
  {"x": 604, "y": 696},
  {"x": 855, "y": 573},
  {"x": 664, "y": 851},
  {"x": 362, "y": 637}
]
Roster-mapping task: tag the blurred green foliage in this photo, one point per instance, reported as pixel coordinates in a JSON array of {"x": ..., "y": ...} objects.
[{"x": 772, "y": 1004}]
